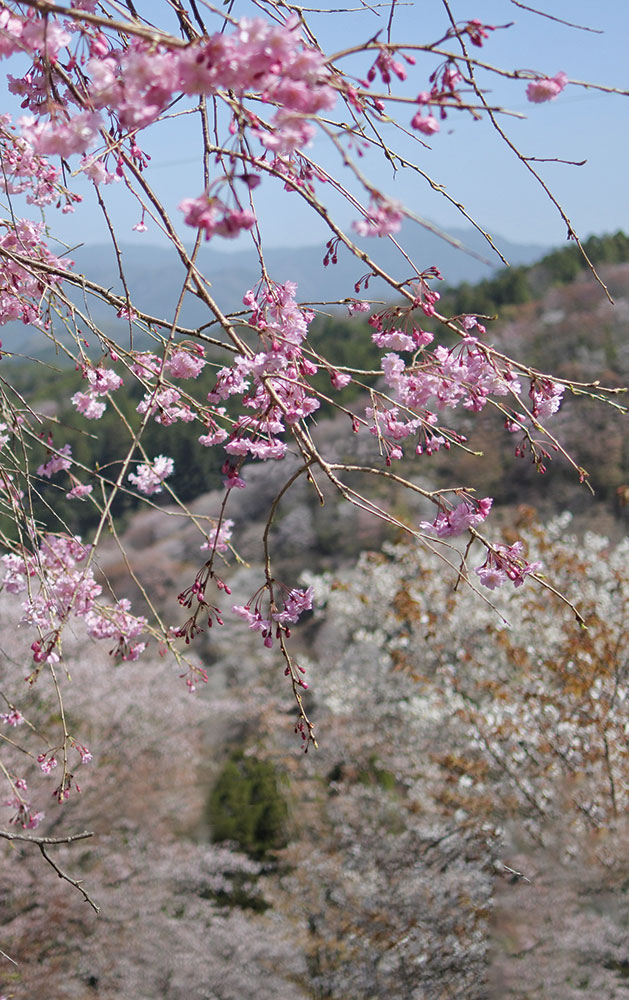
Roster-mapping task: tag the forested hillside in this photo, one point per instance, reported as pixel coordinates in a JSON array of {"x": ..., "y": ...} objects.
[{"x": 553, "y": 312}]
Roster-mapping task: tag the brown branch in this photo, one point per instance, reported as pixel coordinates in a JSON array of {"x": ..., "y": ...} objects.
[
  {"x": 43, "y": 843},
  {"x": 77, "y": 883},
  {"x": 46, "y": 841},
  {"x": 559, "y": 20}
]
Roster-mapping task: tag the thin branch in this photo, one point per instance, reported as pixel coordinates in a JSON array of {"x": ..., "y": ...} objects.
[
  {"x": 46, "y": 841},
  {"x": 77, "y": 883},
  {"x": 559, "y": 20}
]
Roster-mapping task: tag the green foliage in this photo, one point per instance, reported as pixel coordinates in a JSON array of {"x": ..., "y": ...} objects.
[
  {"x": 102, "y": 444},
  {"x": 515, "y": 285},
  {"x": 373, "y": 774},
  {"x": 370, "y": 774},
  {"x": 242, "y": 893},
  {"x": 247, "y": 807},
  {"x": 345, "y": 343}
]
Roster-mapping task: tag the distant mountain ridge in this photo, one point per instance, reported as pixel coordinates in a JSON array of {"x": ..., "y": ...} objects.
[
  {"x": 155, "y": 276},
  {"x": 155, "y": 279}
]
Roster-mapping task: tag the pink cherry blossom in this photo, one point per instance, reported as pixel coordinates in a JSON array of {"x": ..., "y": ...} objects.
[
  {"x": 218, "y": 539},
  {"x": 47, "y": 764},
  {"x": 12, "y": 718},
  {"x": 295, "y": 603},
  {"x": 506, "y": 562},
  {"x": 215, "y": 435},
  {"x": 212, "y": 216},
  {"x": 89, "y": 405},
  {"x": 146, "y": 365},
  {"x": 185, "y": 364},
  {"x": 339, "y": 379},
  {"x": 468, "y": 514},
  {"x": 546, "y": 397},
  {"x": 166, "y": 407},
  {"x": 119, "y": 624},
  {"x": 21, "y": 288},
  {"x": 546, "y": 88},
  {"x": 59, "y": 462},
  {"x": 383, "y": 218},
  {"x": 253, "y": 619},
  {"x": 148, "y": 479},
  {"x": 80, "y": 491},
  {"x": 427, "y": 124},
  {"x": 356, "y": 306},
  {"x": 62, "y": 138},
  {"x": 102, "y": 380},
  {"x": 394, "y": 339}
]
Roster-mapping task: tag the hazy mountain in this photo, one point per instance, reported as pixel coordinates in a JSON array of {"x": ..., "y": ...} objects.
[{"x": 155, "y": 275}]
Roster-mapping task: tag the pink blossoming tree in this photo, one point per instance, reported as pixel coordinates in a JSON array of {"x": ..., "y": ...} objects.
[{"x": 95, "y": 81}]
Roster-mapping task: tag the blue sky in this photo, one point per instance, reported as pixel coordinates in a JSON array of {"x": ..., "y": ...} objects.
[{"x": 466, "y": 156}]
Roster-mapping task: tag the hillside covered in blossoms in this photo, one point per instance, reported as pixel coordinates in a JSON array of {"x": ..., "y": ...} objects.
[{"x": 461, "y": 829}]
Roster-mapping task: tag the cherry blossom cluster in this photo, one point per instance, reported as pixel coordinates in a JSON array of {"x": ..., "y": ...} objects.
[
  {"x": 218, "y": 538},
  {"x": 272, "y": 382},
  {"x": 135, "y": 84},
  {"x": 467, "y": 514},
  {"x": 546, "y": 397},
  {"x": 445, "y": 83},
  {"x": 12, "y": 718},
  {"x": 60, "y": 461},
  {"x": 139, "y": 81},
  {"x": 467, "y": 374},
  {"x": 503, "y": 563},
  {"x": 61, "y": 136},
  {"x": 149, "y": 479},
  {"x": 67, "y": 589},
  {"x": 119, "y": 624},
  {"x": 39, "y": 36},
  {"x": 23, "y": 285},
  {"x": 546, "y": 88},
  {"x": 506, "y": 563},
  {"x": 213, "y": 216},
  {"x": 100, "y": 382},
  {"x": 166, "y": 406},
  {"x": 443, "y": 93},
  {"x": 163, "y": 401},
  {"x": 25, "y": 171},
  {"x": 268, "y": 622},
  {"x": 383, "y": 218},
  {"x": 24, "y": 815},
  {"x": 80, "y": 491}
]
